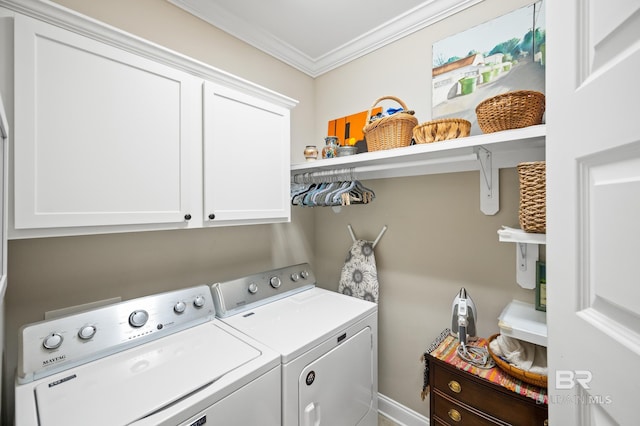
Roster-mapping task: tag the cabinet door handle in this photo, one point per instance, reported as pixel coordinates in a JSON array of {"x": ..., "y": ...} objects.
[
  {"x": 455, "y": 415},
  {"x": 546, "y": 422},
  {"x": 187, "y": 216},
  {"x": 212, "y": 216},
  {"x": 455, "y": 386}
]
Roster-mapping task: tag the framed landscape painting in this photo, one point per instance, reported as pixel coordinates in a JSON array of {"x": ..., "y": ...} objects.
[{"x": 499, "y": 56}]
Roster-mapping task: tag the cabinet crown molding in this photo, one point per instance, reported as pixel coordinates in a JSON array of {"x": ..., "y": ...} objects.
[{"x": 73, "y": 21}]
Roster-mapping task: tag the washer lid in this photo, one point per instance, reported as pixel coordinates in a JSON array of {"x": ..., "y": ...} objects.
[
  {"x": 130, "y": 385},
  {"x": 296, "y": 323}
]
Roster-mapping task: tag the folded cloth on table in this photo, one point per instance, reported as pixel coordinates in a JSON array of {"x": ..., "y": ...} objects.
[{"x": 523, "y": 355}]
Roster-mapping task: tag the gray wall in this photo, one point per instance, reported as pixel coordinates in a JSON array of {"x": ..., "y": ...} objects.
[{"x": 437, "y": 241}]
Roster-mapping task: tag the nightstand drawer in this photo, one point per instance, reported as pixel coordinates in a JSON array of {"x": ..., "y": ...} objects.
[
  {"x": 486, "y": 397},
  {"x": 449, "y": 412}
]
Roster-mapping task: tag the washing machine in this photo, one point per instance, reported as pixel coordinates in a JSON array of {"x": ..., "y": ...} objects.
[
  {"x": 158, "y": 360},
  {"x": 327, "y": 343}
]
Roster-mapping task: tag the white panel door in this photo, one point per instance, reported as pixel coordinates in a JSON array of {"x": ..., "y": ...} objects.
[
  {"x": 246, "y": 158},
  {"x": 593, "y": 196},
  {"x": 102, "y": 136}
]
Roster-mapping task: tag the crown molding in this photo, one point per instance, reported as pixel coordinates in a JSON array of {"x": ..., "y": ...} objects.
[
  {"x": 71, "y": 20},
  {"x": 401, "y": 26}
]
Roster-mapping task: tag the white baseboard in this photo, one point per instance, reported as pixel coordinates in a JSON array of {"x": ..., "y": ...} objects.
[{"x": 400, "y": 414}]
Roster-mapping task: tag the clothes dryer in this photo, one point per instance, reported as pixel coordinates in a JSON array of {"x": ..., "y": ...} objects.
[{"x": 327, "y": 341}]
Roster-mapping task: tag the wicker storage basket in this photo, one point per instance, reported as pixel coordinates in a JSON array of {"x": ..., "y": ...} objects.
[
  {"x": 393, "y": 131},
  {"x": 511, "y": 110},
  {"x": 525, "y": 376},
  {"x": 440, "y": 130},
  {"x": 533, "y": 193}
]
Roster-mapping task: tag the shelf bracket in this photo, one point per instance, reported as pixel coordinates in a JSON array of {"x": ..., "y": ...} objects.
[
  {"x": 489, "y": 182},
  {"x": 526, "y": 258}
]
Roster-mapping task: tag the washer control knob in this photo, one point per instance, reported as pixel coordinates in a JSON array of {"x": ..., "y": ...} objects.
[
  {"x": 295, "y": 277},
  {"x": 52, "y": 341},
  {"x": 198, "y": 302},
  {"x": 179, "y": 307},
  {"x": 275, "y": 282},
  {"x": 138, "y": 318},
  {"x": 304, "y": 274},
  {"x": 87, "y": 332},
  {"x": 253, "y": 288}
]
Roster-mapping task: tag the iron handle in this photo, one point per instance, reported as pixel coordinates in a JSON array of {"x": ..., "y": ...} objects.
[{"x": 187, "y": 216}]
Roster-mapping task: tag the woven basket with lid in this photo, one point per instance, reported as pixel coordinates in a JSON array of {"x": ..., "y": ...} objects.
[{"x": 393, "y": 131}]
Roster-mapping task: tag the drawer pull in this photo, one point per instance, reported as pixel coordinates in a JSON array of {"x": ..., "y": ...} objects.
[
  {"x": 455, "y": 415},
  {"x": 546, "y": 422},
  {"x": 455, "y": 386}
]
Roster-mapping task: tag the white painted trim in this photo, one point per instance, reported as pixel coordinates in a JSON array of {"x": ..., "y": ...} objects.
[
  {"x": 398, "y": 413},
  {"x": 55, "y": 14},
  {"x": 428, "y": 13}
]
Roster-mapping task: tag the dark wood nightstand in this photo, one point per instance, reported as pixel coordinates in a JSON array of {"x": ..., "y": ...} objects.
[{"x": 458, "y": 397}]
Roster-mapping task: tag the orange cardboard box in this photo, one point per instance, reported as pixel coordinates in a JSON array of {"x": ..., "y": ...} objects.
[{"x": 350, "y": 126}]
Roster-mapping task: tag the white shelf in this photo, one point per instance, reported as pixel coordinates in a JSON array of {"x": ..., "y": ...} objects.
[
  {"x": 522, "y": 321},
  {"x": 486, "y": 153},
  {"x": 514, "y": 235},
  {"x": 527, "y": 252},
  {"x": 508, "y": 148}
]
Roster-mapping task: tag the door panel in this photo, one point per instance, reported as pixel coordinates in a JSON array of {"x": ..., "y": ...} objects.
[
  {"x": 593, "y": 202},
  {"x": 103, "y": 136},
  {"x": 246, "y": 158}
]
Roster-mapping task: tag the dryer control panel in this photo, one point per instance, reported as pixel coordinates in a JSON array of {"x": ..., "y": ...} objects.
[
  {"x": 242, "y": 294},
  {"x": 54, "y": 345}
]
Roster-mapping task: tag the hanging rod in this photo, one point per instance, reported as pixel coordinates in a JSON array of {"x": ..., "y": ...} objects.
[
  {"x": 335, "y": 175},
  {"x": 331, "y": 175}
]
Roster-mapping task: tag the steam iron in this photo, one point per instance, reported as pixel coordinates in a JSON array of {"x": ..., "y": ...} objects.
[{"x": 463, "y": 317}]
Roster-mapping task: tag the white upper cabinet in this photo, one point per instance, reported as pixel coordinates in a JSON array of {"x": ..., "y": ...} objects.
[
  {"x": 246, "y": 158},
  {"x": 116, "y": 134},
  {"x": 103, "y": 137}
]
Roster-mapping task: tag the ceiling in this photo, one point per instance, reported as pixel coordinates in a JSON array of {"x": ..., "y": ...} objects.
[{"x": 318, "y": 36}]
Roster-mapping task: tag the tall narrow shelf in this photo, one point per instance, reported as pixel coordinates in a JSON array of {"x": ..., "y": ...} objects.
[
  {"x": 486, "y": 153},
  {"x": 519, "y": 319},
  {"x": 527, "y": 252}
]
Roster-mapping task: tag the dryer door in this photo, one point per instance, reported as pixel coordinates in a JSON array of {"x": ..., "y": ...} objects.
[{"x": 337, "y": 388}]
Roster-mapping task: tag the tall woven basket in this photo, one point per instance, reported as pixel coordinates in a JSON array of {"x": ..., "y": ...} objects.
[
  {"x": 393, "y": 131},
  {"x": 533, "y": 194}
]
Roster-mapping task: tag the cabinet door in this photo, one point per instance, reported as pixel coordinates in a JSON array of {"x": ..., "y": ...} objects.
[
  {"x": 246, "y": 158},
  {"x": 102, "y": 136}
]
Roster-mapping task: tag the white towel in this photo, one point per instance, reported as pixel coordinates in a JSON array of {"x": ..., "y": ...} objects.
[
  {"x": 359, "y": 276},
  {"x": 524, "y": 355}
]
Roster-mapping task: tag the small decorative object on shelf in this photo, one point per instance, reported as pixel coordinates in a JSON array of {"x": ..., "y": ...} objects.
[
  {"x": 311, "y": 153},
  {"x": 330, "y": 149},
  {"x": 343, "y": 151}
]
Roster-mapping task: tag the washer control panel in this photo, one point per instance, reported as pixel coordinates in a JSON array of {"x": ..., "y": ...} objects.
[
  {"x": 54, "y": 345},
  {"x": 242, "y": 294}
]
